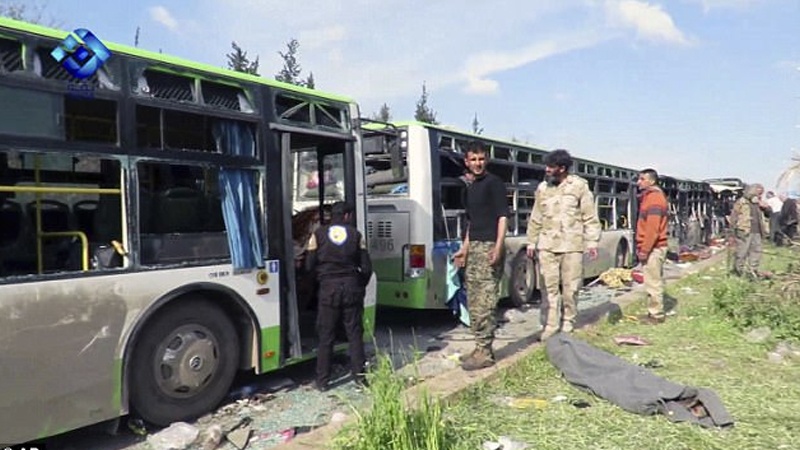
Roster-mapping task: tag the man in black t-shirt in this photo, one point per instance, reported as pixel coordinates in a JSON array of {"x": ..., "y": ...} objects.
[{"x": 484, "y": 246}]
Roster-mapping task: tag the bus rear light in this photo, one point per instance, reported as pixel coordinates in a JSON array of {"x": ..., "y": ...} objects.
[
  {"x": 414, "y": 260},
  {"x": 416, "y": 257}
]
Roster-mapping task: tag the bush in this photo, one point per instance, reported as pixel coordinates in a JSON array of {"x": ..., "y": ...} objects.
[{"x": 750, "y": 305}]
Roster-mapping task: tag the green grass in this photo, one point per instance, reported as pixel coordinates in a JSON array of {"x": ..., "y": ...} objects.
[
  {"x": 696, "y": 347},
  {"x": 699, "y": 346}
]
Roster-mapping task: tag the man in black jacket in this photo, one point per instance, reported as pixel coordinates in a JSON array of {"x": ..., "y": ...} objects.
[{"x": 337, "y": 254}]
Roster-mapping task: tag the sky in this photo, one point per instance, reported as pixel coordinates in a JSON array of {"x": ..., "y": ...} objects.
[{"x": 693, "y": 88}]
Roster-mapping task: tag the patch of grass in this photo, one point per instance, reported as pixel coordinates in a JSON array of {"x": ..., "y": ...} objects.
[
  {"x": 697, "y": 347},
  {"x": 390, "y": 424}
]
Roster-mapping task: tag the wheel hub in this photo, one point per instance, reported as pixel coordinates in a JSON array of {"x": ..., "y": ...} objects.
[{"x": 186, "y": 360}]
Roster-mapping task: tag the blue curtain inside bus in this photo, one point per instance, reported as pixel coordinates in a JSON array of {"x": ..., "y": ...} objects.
[{"x": 239, "y": 195}]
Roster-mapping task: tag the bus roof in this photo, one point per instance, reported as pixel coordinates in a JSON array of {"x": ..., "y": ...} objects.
[{"x": 26, "y": 27}]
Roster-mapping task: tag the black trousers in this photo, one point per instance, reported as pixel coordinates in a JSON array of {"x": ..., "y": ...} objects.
[{"x": 340, "y": 299}]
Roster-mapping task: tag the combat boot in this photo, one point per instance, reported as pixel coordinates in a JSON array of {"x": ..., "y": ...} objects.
[
  {"x": 481, "y": 358},
  {"x": 547, "y": 333}
]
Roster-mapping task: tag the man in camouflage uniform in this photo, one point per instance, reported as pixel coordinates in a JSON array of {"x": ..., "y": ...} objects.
[
  {"x": 749, "y": 227},
  {"x": 484, "y": 246},
  {"x": 562, "y": 225}
]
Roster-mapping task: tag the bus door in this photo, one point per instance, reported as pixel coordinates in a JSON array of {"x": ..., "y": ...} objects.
[{"x": 319, "y": 170}]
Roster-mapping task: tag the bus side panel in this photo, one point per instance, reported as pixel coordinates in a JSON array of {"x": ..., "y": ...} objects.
[
  {"x": 79, "y": 329},
  {"x": 58, "y": 359}
]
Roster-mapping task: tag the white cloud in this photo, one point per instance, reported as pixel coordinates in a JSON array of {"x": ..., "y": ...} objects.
[
  {"x": 480, "y": 66},
  {"x": 650, "y": 21},
  {"x": 162, "y": 15}
]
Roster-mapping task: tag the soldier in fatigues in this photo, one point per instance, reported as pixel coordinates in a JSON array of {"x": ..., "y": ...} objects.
[
  {"x": 562, "y": 226},
  {"x": 484, "y": 246},
  {"x": 337, "y": 254},
  {"x": 749, "y": 226}
]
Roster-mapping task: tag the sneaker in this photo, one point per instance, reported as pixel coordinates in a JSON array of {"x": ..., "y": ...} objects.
[
  {"x": 480, "y": 359},
  {"x": 649, "y": 319}
]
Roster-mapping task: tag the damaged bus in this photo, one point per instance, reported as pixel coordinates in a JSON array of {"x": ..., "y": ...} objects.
[
  {"x": 415, "y": 211},
  {"x": 153, "y": 216}
]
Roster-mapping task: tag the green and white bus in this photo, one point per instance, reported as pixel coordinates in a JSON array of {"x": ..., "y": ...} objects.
[
  {"x": 148, "y": 219},
  {"x": 415, "y": 210}
]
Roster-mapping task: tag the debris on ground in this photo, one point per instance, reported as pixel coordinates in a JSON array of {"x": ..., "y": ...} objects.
[
  {"x": 177, "y": 436},
  {"x": 616, "y": 277},
  {"x": 210, "y": 438},
  {"x": 758, "y": 335},
  {"x": 504, "y": 443},
  {"x": 630, "y": 340},
  {"x": 527, "y": 402}
]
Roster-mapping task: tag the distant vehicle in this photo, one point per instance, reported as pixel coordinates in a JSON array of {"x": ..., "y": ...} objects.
[{"x": 416, "y": 215}]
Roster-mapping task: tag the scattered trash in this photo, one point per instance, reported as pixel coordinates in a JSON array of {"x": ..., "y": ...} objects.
[
  {"x": 527, "y": 402},
  {"x": 338, "y": 417},
  {"x": 652, "y": 364},
  {"x": 630, "y": 340},
  {"x": 637, "y": 276},
  {"x": 616, "y": 277},
  {"x": 137, "y": 426},
  {"x": 239, "y": 434},
  {"x": 513, "y": 316},
  {"x": 177, "y": 436},
  {"x": 580, "y": 403},
  {"x": 758, "y": 335},
  {"x": 787, "y": 349},
  {"x": 688, "y": 290},
  {"x": 558, "y": 398},
  {"x": 504, "y": 443},
  {"x": 775, "y": 358},
  {"x": 210, "y": 438}
]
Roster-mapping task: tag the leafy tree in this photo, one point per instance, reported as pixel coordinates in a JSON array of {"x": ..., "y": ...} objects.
[
  {"x": 476, "y": 126},
  {"x": 384, "y": 114},
  {"x": 290, "y": 73},
  {"x": 238, "y": 61},
  {"x": 425, "y": 113}
]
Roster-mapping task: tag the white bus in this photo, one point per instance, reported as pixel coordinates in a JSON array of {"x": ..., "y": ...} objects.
[
  {"x": 415, "y": 210},
  {"x": 147, "y": 217}
]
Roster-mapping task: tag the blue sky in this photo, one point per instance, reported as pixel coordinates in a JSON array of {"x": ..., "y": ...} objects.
[{"x": 694, "y": 88}]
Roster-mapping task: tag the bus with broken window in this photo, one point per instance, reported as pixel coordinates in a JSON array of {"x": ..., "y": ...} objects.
[
  {"x": 415, "y": 215},
  {"x": 153, "y": 216}
]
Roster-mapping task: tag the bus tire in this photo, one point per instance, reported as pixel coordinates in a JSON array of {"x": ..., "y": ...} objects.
[
  {"x": 523, "y": 271},
  {"x": 184, "y": 362},
  {"x": 621, "y": 256}
]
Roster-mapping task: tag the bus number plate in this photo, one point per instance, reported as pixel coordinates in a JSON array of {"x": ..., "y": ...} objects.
[{"x": 381, "y": 245}]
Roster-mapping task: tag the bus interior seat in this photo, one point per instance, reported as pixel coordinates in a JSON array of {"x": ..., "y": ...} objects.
[
  {"x": 12, "y": 223},
  {"x": 56, "y": 216},
  {"x": 108, "y": 219},
  {"x": 84, "y": 212},
  {"x": 214, "y": 218},
  {"x": 179, "y": 210}
]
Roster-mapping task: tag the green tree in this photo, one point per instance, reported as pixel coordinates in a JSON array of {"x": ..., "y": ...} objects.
[
  {"x": 383, "y": 115},
  {"x": 476, "y": 126},
  {"x": 238, "y": 60},
  {"x": 291, "y": 70},
  {"x": 31, "y": 12},
  {"x": 425, "y": 113}
]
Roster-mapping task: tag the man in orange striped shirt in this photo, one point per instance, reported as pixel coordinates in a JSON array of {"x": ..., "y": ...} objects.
[{"x": 651, "y": 242}]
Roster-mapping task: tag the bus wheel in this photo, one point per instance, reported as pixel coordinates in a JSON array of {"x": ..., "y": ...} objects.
[
  {"x": 183, "y": 364},
  {"x": 523, "y": 272},
  {"x": 621, "y": 257}
]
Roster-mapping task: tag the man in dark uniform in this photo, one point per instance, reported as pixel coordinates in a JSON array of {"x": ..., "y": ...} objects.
[{"x": 337, "y": 255}]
